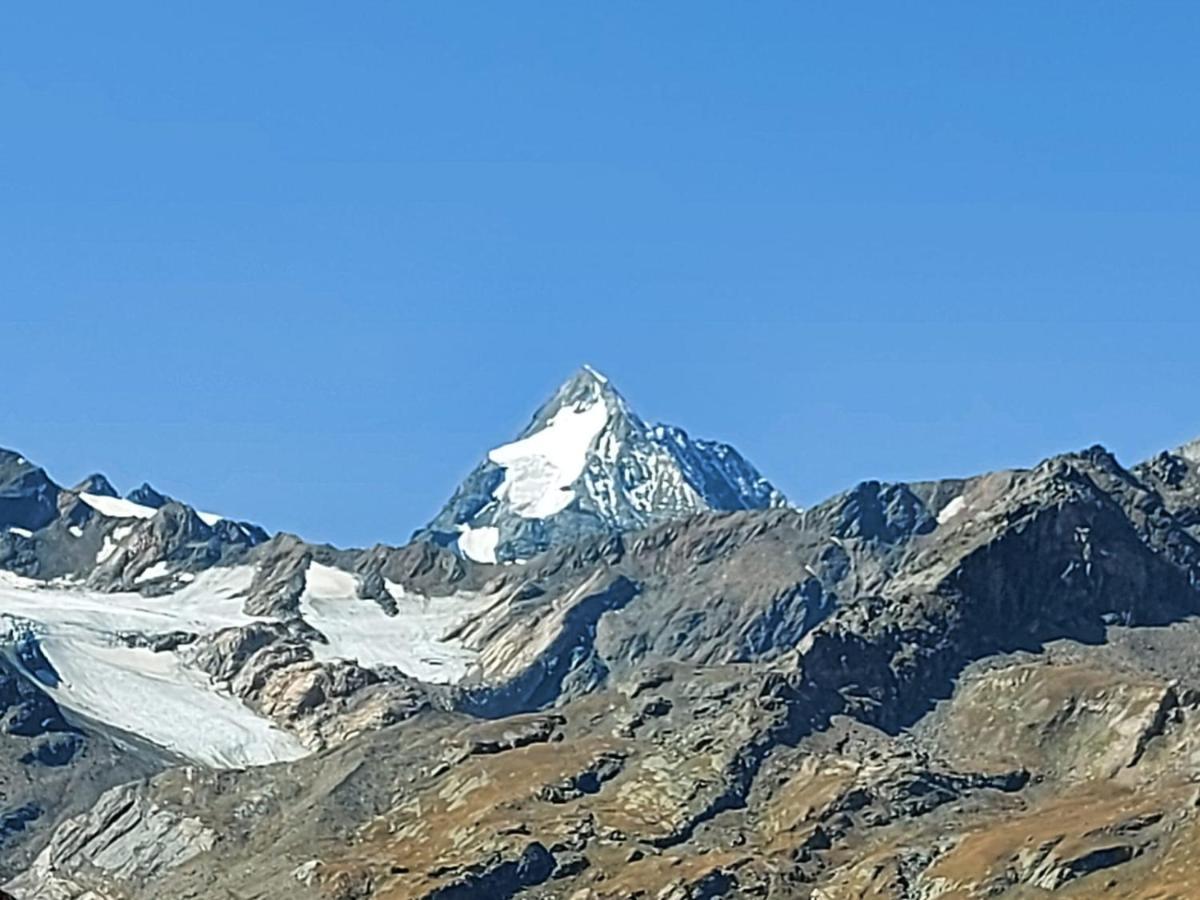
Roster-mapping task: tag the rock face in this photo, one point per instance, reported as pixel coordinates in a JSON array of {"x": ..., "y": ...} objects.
[
  {"x": 324, "y": 703},
  {"x": 28, "y": 498},
  {"x": 588, "y": 465},
  {"x": 52, "y": 766},
  {"x": 1175, "y": 475},
  {"x": 124, "y": 837},
  {"x": 91, "y": 534},
  {"x": 151, "y": 554}
]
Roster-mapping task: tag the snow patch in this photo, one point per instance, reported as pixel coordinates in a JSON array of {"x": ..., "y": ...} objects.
[
  {"x": 107, "y": 549},
  {"x": 159, "y": 570},
  {"x": 20, "y": 532},
  {"x": 951, "y": 509},
  {"x": 116, "y": 507},
  {"x": 478, "y": 544},
  {"x": 413, "y": 640},
  {"x": 540, "y": 469},
  {"x": 329, "y": 582},
  {"x": 112, "y": 542}
]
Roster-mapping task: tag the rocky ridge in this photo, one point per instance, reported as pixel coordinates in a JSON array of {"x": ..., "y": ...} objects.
[{"x": 588, "y": 465}]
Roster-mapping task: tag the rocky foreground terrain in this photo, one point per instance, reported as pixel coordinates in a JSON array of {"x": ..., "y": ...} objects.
[{"x": 969, "y": 688}]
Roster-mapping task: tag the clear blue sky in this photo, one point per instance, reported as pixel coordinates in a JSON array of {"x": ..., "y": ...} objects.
[{"x": 305, "y": 262}]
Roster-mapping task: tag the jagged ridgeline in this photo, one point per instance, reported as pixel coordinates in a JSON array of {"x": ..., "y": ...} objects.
[
  {"x": 616, "y": 665},
  {"x": 588, "y": 465}
]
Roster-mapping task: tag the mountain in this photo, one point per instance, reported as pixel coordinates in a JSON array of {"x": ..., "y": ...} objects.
[
  {"x": 968, "y": 687},
  {"x": 586, "y": 465},
  {"x": 973, "y": 687},
  {"x": 90, "y": 533}
]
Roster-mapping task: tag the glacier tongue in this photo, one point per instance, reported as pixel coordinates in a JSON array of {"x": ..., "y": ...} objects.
[{"x": 151, "y": 694}]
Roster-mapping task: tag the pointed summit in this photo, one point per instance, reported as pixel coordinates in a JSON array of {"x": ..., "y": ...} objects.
[
  {"x": 587, "y": 464},
  {"x": 584, "y": 376},
  {"x": 97, "y": 485},
  {"x": 28, "y": 498},
  {"x": 585, "y": 388},
  {"x": 148, "y": 496}
]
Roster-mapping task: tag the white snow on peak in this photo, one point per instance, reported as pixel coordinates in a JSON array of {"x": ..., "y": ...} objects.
[
  {"x": 413, "y": 640},
  {"x": 478, "y": 544},
  {"x": 209, "y": 519},
  {"x": 1191, "y": 451},
  {"x": 600, "y": 378},
  {"x": 150, "y": 694},
  {"x": 951, "y": 509},
  {"x": 116, "y": 507},
  {"x": 540, "y": 469},
  {"x": 21, "y": 532}
]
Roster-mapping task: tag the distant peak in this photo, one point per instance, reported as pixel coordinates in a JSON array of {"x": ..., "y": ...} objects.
[
  {"x": 148, "y": 496},
  {"x": 97, "y": 485},
  {"x": 588, "y": 464}
]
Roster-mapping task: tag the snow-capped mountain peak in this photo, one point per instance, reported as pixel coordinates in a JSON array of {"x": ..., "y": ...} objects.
[{"x": 587, "y": 464}]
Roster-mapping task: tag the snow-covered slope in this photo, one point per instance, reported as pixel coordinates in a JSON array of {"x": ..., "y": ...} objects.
[
  {"x": 123, "y": 659},
  {"x": 587, "y": 464},
  {"x": 413, "y": 640},
  {"x": 93, "y": 669}
]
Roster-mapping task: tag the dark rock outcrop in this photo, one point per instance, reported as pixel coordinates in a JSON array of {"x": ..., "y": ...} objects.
[{"x": 28, "y": 498}]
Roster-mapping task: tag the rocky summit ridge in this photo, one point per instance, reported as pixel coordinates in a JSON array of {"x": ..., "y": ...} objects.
[
  {"x": 585, "y": 465},
  {"x": 964, "y": 688}
]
